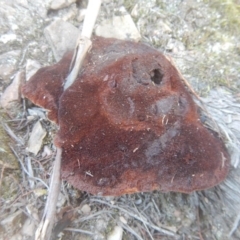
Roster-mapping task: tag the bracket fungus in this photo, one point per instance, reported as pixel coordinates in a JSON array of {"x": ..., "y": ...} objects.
[{"x": 128, "y": 123}]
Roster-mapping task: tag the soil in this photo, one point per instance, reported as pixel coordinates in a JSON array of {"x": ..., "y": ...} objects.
[{"x": 202, "y": 37}]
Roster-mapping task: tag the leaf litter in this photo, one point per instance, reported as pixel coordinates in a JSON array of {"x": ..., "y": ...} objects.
[{"x": 208, "y": 214}]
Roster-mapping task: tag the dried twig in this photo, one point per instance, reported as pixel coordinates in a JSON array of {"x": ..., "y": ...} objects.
[
  {"x": 84, "y": 43},
  {"x": 136, "y": 216},
  {"x": 46, "y": 225},
  {"x": 1, "y": 175},
  {"x": 129, "y": 229},
  {"x": 87, "y": 218},
  {"x": 12, "y": 134},
  {"x": 78, "y": 230},
  {"x": 26, "y": 171},
  {"x": 30, "y": 171},
  {"x": 150, "y": 235},
  {"x": 81, "y": 50},
  {"x": 45, "y": 228}
]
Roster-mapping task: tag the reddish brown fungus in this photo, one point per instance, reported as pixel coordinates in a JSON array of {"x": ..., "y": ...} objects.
[{"x": 128, "y": 124}]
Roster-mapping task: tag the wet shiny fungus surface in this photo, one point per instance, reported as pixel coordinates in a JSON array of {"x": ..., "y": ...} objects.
[{"x": 128, "y": 124}]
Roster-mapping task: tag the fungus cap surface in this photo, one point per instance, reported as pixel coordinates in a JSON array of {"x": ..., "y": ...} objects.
[{"x": 128, "y": 123}]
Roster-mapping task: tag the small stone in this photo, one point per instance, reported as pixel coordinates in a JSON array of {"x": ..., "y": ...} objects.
[
  {"x": 12, "y": 92},
  {"x": 46, "y": 151},
  {"x": 85, "y": 209},
  {"x": 62, "y": 36},
  {"x": 61, "y": 200},
  {"x": 138, "y": 201},
  {"x": 116, "y": 234},
  {"x": 121, "y": 27},
  {"x": 110, "y": 199},
  {"x": 123, "y": 220},
  {"x": 36, "y": 137},
  {"x": 5, "y": 38},
  {"x": 58, "y": 4},
  {"x": 31, "y": 68},
  {"x": 37, "y": 112},
  {"x": 8, "y": 63}
]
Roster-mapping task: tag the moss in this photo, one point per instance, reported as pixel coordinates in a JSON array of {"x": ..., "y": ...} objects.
[
  {"x": 129, "y": 4},
  {"x": 230, "y": 11},
  {"x": 8, "y": 165},
  {"x": 7, "y": 158}
]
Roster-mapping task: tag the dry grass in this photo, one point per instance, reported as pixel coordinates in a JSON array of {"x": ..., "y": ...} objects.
[{"x": 209, "y": 214}]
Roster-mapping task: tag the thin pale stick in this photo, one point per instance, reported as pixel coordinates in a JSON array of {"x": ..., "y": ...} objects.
[
  {"x": 90, "y": 17},
  {"x": 78, "y": 230},
  {"x": 45, "y": 228},
  {"x": 46, "y": 225},
  {"x": 84, "y": 43},
  {"x": 12, "y": 134},
  {"x": 81, "y": 50}
]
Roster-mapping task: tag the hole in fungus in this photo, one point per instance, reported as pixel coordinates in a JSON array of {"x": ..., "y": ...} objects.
[
  {"x": 141, "y": 117},
  {"x": 145, "y": 143},
  {"x": 156, "y": 76}
]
